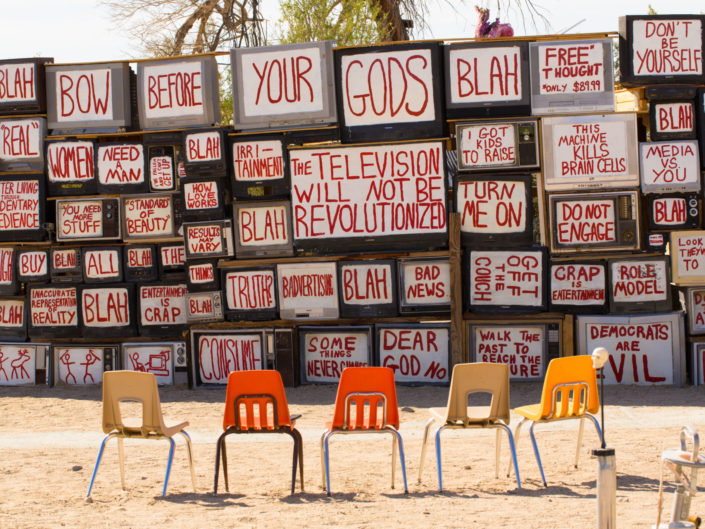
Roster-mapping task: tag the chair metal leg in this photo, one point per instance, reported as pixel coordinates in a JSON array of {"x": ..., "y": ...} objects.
[
  {"x": 325, "y": 453},
  {"x": 497, "y": 449},
  {"x": 536, "y": 452},
  {"x": 597, "y": 426},
  {"x": 189, "y": 453},
  {"x": 516, "y": 443},
  {"x": 224, "y": 459},
  {"x": 401, "y": 456},
  {"x": 427, "y": 428},
  {"x": 301, "y": 457},
  {"x": 512, "y": 448},
  {"x": 394, "y": 457},
  {"x": 580, "y": 442},
  {"x": 438, "y": 458},
  {"x": 97, "y": 461},
  {"x": 168, "y": 465},
  {"x": 121, "y": 454},
  {"x": 220, "y": 444},
  {"x": 295, "y": 460},
  {"x": 323, "y": 462}
]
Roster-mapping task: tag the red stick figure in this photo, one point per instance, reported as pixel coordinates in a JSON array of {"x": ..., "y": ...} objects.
[
  {"x": 2, "y": 369},
  {"x": 136, "y": 364},
  {"x": 64, "y": 358},
  {"x": 91, "y": 358},
  {"x": 18, "y": 363}
]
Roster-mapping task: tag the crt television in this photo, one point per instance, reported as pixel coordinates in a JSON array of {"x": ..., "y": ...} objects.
[
  {"x": 205, "y": 152},
  {"x": 326, "y": 351},
  {"x": 70, "y": 167},
  {"x": 215, "y": 353},
  {"x": 23, "y": 208},
  {"x": 22, "y": 145},
  {"x": 250, "y": 293},
  {"x": 368, "y": 288},
  {"x": 22, "y": 85},
  {"x": 107, "y": 310},
  {"x": 120, "y": 168},
  {"x": 497, "y": 145},
  {"x": 260, "y": 166}
]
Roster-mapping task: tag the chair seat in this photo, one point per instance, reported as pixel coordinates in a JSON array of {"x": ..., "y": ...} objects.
[
  {"x": 476, "y": 416},
  {"x": 531, "y": 412}
]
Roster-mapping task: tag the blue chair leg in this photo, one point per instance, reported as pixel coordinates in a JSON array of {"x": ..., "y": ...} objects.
[
  {"x": 97, "y": 462},
  {"x": 536, "y": 452},
  {"x": 325, "y": 457},
  {"x": 597, "y": 426},
  {"x": 512, "y": 447},
  {"x": 168, "y": 465},
  {"x": 401, "y": 457},
  {"x": 438, "y": 459}
]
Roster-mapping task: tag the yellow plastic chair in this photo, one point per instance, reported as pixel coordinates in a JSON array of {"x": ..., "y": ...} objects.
[
  {"x": 467, "y": 380},
  {"x": 569, "y": 392},
  {"x": 134, "y": 386}
]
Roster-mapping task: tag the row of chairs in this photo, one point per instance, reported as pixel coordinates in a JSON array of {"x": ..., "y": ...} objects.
[{"x": 366, "y": 402}]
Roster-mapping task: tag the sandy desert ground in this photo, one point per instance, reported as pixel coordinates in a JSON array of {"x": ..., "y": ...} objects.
[{"x": 49, "y": 439}]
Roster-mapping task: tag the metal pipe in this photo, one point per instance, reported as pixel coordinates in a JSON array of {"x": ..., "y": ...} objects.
[{"x": 606, "y": 488}]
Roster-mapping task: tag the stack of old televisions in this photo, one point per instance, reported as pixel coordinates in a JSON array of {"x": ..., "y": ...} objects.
[{"x": 671, "y": 164}]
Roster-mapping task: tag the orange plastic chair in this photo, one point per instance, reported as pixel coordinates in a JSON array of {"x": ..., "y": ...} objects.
[
  {"x": 467, "y": 380},
  {"x": 135, "y": 386},
  {"x": 569, "y": 392},
  {"x": 366, "y": 403},
  {"x": 255, "y": 402}
]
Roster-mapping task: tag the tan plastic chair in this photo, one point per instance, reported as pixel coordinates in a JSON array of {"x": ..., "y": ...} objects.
[
  {"x": 469, "y": 379},
  {"x": 134, "y": 386},
  {"x": 569, "y": 392}
]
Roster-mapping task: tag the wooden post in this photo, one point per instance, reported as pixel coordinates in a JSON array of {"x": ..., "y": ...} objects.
[{"x": 456, "y": 290}]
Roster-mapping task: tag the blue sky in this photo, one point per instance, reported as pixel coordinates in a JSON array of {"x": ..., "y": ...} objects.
[{"x": 81, "y": 30}]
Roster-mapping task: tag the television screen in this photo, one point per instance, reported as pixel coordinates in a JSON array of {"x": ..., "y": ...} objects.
[
  {"x": 661, "y": 49},
  {"x": 594, "y": 222},
  {"x": 53, "y": 311},
  {"x": 263, "y": 229},
  {"x": 368, "y": 289},
  {"x": 22, "y": 208},
  {"x": 204, "y": 306},
  {"x": 70, "y": 167},
  {"x": 424, "y": 285},
  {"x": 24, "y": 363},
  {"x": 9, "y": 283},
  {"x": 89, "y": 97},
  {"x": 203, "y": 198},
  {"x": 22, "y": 145},
  {"x": 578, "y": 287},
  {"x": 497, "y": 145},
  {"x": 688, "y": 257},
  {"x": 65, "y": 265},
  {"x": 390, "y": 92},
  {"x": 121, "y": 168},
  {"x": 178, "y": 92},
  {"x": 150, "y": 216},
  {"x": 418, "y": 353},
  {"x": 507, "y": 281},
  {"x": 80, "y": 365},
  {"x": 202, "y": 276},
  {"x": 260, "y": 166},
  {"x": 283, "y": 86},
  {"x": 669, "y": 166},
  {"x": 526, "y": 346},
  {"x": 208, "y": 239},
  {"x": 644, "y": 349},
  {"x": 385, "y": 196},
  {"x": 495, "y": 210},
  {"x": 590, "y": 152},
  {"x": 87, "y": 219},
  {"x": 152, "y": 357},
  {"x": 140, "y": 263},
  {"x": 205, "y": 153},
  {"x": 13, "y": 318},
  {"x": 218, "y": 352},
  {"x": 697, "y": 373},
  {"x": 326, "y": 351},
  {"x": 162, "y": 309},
  {"x": 250, "y": 293},
  {"x": 33, "y": 266},
  {"x": 695, "y": 309},
  {"x": 640, "y": 284},
  {"x": 102, "y": 264},
  {"x": 672, "y": 120},
  {"x": 107, "y": 310},
  {"x": 172, "y": 261},
  {"x": 165, "y": 165},
  {"x": 22, "y": 85},
  {"x": 307, "y": 291},
  {"x": 674, "y": 211},
  {"x": 486, "y": 79},
  {"x": 571, "y": 76}
]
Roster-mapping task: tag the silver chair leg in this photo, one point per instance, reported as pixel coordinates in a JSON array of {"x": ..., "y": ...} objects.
[
  {"x": 427, "y": 428},
  {"x": 580, "y": 441},
  {"x": 97, "y": 462},
  {"x": 326, "y": 459},
  {"x": 394, "y": 457},
  {"x": 396, "y": 434},
  {"x": 516, "y": 443},
  {"x": 512, "y": 449},
  {"x": 497, "y": 449},
  {"x": 323, "y": 462},
  {"x": 121, "y": 454},
  {"x": 189, "y": 452}
]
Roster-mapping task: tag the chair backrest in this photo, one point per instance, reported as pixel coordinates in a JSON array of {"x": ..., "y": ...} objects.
[
  {"x": 570, "y": 388},
  {"x": 479, "y": 377},
  {"x": 251, "y": 396},
  {"x": 131, "y": 386},
  {"x": 362, "y": 391}
]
